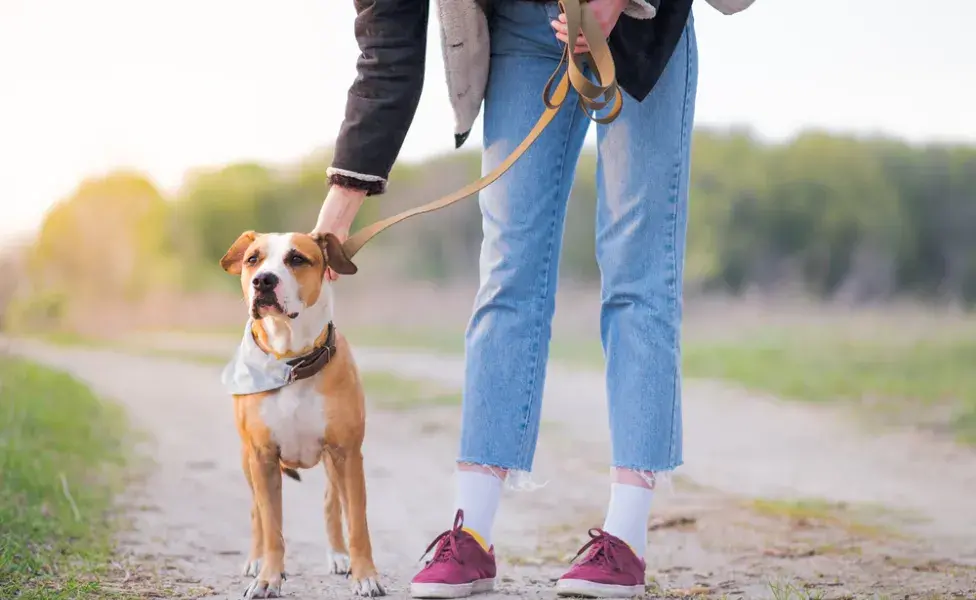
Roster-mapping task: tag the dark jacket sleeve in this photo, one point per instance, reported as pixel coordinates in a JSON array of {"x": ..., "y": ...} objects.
[{"x": 382, "y": 101}]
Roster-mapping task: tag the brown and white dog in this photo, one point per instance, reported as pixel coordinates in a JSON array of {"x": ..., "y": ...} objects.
[{"x": 318, "y": 416}]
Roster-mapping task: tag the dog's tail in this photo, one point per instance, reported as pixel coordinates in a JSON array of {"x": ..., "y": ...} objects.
[{"x": 290, "y": 472}]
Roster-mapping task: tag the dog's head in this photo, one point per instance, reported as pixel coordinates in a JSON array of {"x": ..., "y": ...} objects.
[{"x": 283, "y": 274}]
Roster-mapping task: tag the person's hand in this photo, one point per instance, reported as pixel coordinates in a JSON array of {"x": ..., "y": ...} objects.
[
  {"x": 607, "y": 12},
  {"x": 337, "y": 214}
]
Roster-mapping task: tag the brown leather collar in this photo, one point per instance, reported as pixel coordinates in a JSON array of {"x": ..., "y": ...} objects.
[{"x": 308, "y": 365}]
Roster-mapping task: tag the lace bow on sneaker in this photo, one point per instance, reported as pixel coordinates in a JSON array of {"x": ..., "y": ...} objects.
[
  {"x": 458, "y": 565},
  {"x": 447, "y": 542},
  {"x": 609, "y": 569}
]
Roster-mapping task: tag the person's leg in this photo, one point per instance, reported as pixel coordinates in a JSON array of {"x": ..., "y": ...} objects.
[
  {"x": 642, "y": 189},
  {"x": 523, "y": 213},
  {"x": 507, "y": 340},
  {"x": 642, "y": 212}
]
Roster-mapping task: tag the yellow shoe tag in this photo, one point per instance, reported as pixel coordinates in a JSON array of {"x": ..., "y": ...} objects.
[{"x": 477, "y": 537}]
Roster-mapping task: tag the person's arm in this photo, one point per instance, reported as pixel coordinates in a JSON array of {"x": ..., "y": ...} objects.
[
  {"x": 382, "y": 101},
  {"x": 380, "y": 106}
]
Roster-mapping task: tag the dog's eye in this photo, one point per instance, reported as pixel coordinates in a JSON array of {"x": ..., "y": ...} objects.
[
  {"x": 297, "y": 260},
  {"x": 253, "y": 259}
]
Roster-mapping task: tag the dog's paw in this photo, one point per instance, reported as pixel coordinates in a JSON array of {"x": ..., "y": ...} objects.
[
  {"x": 251, "y": 568},
  {"x": 367, "y": 587},
  {"x": 264, "y": 589},
  {"x": 338, "y": 563}
]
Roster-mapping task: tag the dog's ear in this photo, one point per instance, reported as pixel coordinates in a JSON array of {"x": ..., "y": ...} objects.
[
  {"x": 233, "y": 261},
  {"x": 335, "y": 256}
]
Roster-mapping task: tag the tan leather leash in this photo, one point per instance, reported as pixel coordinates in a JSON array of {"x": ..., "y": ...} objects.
[{"x": 592, "y": 97}]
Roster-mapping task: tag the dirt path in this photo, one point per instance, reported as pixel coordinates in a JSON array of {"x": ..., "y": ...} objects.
[
  {"x": 191, "y": 513},
  {"x": 746, "y": 444}
]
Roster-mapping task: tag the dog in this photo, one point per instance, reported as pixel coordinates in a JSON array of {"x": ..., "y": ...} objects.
[{"x": 298, "y": 401}]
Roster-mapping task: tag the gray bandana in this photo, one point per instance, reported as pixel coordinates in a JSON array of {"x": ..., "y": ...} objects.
[{"x": 252, "y": 370}]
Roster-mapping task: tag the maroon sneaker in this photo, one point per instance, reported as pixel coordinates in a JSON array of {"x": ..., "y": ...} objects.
[
  {"x": 458, "y": 568},
  {"x": 609, "y": 570}
]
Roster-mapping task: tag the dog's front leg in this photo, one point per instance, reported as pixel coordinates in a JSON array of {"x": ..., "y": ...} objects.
[
  {"x": 253, "y": 564},
  {"x": 361, "y": 552},
  {"x": 334, "y": 501},
  {"x": 266, "y": 478}
]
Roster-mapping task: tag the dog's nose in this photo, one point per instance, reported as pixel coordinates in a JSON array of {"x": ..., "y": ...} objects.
[{"x": 265, "y": 282}]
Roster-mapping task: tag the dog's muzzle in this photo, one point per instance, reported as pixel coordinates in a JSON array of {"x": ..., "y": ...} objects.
[{"x": 266, "y": 300}]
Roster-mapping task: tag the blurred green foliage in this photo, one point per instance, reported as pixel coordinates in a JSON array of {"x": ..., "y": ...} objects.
[{"x": 832, "y": 217}]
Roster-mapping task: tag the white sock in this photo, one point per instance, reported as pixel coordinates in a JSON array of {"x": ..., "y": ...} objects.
[
  {"x": 627, "y": 515},
  {"x": 478, "y": 494}
]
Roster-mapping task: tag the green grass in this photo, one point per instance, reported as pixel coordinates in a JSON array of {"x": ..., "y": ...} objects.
[
  {"x": 431, "y": 340},
  {"x": 385, "y": 389},
  {"x": 926, "y": 374},
  {"x": 865, "y": 521},
  {"x": 588, "y": 354},
  {"x": 69, "y": 338},
  {"x": 80, "y": 341},
  {"x": 790, "y": 591},
  {"x": 819, "y": 366},
  {"x": 202, "y": 358},
  {"x": 393, "y": 392},
  {"x": 810, "y": 366},
  {"x": 61, "y": 455}
]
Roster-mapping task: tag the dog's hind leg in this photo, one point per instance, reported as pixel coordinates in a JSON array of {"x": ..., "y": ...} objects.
[
  {"x": 334, "y": 500},
  {"x": 266, "y": 478},
  {"x": 253, "y": 563},
  {"x": 361, "y": 552}
]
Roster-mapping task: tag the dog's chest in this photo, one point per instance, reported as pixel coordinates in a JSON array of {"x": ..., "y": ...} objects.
[{"x": 296, "y": 419}]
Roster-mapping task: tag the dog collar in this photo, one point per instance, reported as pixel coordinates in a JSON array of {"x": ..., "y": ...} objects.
[
  {"x": 252, "y": 370},
  {"x": 305, "y": 366}
]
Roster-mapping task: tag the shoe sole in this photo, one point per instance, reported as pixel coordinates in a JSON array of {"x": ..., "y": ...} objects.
[
  {"x": 591, "y": 589},
  {"x": 446, "y": 590}
]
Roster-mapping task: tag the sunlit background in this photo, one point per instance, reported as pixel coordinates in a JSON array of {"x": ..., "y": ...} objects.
[
  {"x": 167, "y": 87},
  {"x": 831, "y": 261}
]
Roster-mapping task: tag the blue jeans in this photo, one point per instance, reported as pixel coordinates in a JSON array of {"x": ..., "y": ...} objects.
[{"x": 642, "y": 208}]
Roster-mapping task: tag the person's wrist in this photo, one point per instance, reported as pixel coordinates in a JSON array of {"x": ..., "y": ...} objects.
[
  {"x": 345, "y": 198},
  {"x": 339, "y": 210}
]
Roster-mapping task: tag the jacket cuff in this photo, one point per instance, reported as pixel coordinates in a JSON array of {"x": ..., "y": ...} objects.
[
  {"x": 373, "y": 185},
  {"x": 641, "y": 9}
]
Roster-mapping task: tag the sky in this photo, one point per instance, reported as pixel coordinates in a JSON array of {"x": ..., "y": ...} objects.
[{"x": 163, "y": 86}]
